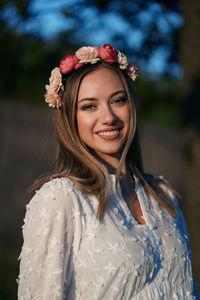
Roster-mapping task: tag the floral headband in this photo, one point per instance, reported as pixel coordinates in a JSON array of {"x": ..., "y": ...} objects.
[{"x": 83, "y": 56}]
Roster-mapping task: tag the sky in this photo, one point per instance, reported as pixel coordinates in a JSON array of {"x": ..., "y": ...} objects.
[{"x": 48, "y": 21}]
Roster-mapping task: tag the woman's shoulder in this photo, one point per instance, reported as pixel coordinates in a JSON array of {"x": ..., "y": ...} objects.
[
  {"x": 159, "y": 179},
  {"x": 58, "y": 193},
  {"x": 164, "y": 184},
  {"x": 62, "y": 184}
]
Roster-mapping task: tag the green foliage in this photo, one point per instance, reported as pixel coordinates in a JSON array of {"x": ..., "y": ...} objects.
[
  {"x": 158, "y": 101},
  {"x": 26, "y": 62},
  {"x": 8, "y": 275}
]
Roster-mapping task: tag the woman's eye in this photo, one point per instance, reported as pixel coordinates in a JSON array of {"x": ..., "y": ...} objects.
[
  {"x": 120, "y": 100},
  {"x": 88, "y": 107}
]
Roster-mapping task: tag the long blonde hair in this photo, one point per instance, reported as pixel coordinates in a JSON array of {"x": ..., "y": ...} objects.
[{"x": 75, "y": 161}]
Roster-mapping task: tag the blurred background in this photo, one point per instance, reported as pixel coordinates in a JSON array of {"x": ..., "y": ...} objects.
[{"x": 160, "y": 37}]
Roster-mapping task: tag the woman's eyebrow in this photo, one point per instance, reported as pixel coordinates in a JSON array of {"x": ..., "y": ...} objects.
[
  {"x": 87, "y": 99},
  {"x": 118, "y": 92},
  {"x": 94, "y": 99}
]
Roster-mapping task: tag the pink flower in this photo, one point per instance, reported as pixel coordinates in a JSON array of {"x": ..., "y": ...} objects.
[
  {"x": 68, "y": 63},
  {"x": 108, "y": 53},
  {"x": 55, "y": 82},
  {"x": 88, "y": 55},
  {"x": 97, "y": 48},
  {"x": 79, "y": 65},
  {"x": 52, "y": 97},
  {"x": 131, "y": 71}
]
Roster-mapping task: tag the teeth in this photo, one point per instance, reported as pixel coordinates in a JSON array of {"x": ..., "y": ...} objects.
[{"x": 109, "y": 132}]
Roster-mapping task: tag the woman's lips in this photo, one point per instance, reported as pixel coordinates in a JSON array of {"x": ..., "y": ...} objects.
[{"x": 109, "y": 134}]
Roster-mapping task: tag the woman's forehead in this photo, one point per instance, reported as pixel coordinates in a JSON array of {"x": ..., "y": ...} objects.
[{"x": 99, "y": 82}]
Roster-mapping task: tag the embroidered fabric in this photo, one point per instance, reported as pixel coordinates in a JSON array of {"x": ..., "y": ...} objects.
[{"x": 68, "y": 254}]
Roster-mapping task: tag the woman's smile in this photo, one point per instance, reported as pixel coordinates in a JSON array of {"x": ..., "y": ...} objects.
[{"x": 109, "y": 133}]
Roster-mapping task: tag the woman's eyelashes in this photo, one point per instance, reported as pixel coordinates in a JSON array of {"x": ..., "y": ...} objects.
[
  {"x": 88, "y": 107},
  {"x": 118, "y": 101}
]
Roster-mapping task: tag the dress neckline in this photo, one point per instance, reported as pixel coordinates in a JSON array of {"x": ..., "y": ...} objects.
[{"x": 142, "y": 198}]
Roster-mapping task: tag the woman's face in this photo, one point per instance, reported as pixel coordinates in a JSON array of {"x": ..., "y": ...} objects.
[{"x": 103, "y": 113}]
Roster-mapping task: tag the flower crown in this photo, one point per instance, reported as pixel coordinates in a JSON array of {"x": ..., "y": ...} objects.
[{"x": 83, "y": 56}]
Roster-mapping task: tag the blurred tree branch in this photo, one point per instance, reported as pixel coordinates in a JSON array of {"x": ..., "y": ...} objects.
[
  {"x": 21, "y": 7},
  {"x": 154, "y": 21}
]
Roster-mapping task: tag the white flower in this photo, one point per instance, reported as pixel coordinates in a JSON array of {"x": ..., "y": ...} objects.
[
  {"x": 110, "y": 268},
  {"x": 88, "y": 55},
  {"x": 122, "y": 60}
]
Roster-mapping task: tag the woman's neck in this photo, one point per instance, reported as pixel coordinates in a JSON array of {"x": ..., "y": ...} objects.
[{"x": 111, "y": 163}]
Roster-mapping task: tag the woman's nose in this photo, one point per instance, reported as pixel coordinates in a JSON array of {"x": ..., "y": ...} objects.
[{"x": 107, "y": 115}]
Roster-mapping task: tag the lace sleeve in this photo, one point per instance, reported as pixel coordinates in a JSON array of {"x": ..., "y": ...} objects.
[{"x": 45, "y": 267}]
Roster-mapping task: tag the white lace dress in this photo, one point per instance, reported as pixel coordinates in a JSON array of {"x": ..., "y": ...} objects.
[{"x": 69, "y": 254}]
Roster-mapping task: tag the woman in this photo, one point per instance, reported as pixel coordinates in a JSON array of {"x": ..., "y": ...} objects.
[{"x": 100, "y": 228}]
